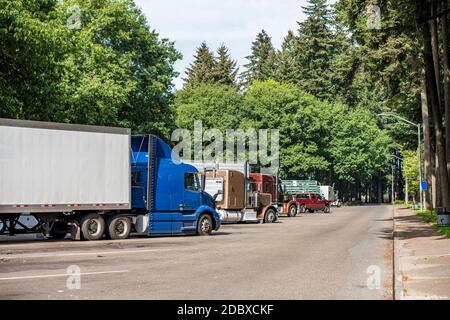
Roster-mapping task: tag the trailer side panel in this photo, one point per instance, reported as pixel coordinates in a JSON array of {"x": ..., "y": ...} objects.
[{"x": 62, "y": 167}]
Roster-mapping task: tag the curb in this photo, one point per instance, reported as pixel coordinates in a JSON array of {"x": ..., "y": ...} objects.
[{"x": 398, "y": 282}]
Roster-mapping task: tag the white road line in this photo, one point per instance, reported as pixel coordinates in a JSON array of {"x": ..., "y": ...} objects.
[
  {"x": 69, "y": 254},
  {"x": 61, "y": 275}
]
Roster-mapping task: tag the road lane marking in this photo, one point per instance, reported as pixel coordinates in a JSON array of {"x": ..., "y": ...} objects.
[
  {"x": 55, "y": 255},
  {"x": 61, "y": 275}
]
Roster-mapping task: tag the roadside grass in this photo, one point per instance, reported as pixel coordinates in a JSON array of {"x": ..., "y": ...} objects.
[{"x": 431, "y": 217}]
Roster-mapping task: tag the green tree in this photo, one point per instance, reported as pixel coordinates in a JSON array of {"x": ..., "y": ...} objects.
[
  {"x": 262, "y": 60},
  {"x": 285, "y": 70},
  {"x": 410, "y": 171},
  {"x": 217, "y": 106},
  {"x": 110, "y": 70},
  {"x": 314, "y": 50},
  {"x": 202, "y": 70},
  {"x": 358, "y": 148},
  {"x": 33, "y": 46},
  {"x": 297, "y": 115},
  {"x": 225, "y": 70}
]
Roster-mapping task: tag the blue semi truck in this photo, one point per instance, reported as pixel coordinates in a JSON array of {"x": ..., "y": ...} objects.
[{"x": 93, "y": 182}]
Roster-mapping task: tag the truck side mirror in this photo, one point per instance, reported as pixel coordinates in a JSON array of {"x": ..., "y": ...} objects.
[{"x": 219, "y": 192}]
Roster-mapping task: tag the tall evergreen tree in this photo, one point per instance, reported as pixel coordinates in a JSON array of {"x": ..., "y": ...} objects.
[
  {"x": 261, "y": 64},
  {"x": 201, "y": 71},
  {"x": 314, "y": 49},
  {"x": 285, "y": 70},
  {"x": 343, "y": 64},
  {"x": 225, "y": 70}
]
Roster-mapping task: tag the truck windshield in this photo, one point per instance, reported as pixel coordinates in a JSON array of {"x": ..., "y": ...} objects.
[{"x": 191, "y": 182}]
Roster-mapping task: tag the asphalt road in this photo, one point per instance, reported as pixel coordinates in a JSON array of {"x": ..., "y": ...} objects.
[{"x": 313, "y": 256}]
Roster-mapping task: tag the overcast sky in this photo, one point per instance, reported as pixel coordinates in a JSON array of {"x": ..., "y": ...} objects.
[{"x": 232, "y": 22}]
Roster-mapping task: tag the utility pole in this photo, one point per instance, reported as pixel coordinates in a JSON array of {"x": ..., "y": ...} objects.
[
  {"x": 406, "y": 190},
  {"x": 419, "y": 147},
  {"x": 392, "y": 184}
]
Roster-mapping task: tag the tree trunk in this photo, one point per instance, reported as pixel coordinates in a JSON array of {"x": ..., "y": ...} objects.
[
  {"x": 446, "y": 82},
  {"x": 435, "y": 51},
  {"x": 436, "y": 111},
  {"x": 380, "y": 189},
  {"x": 426, "y": 138},
  {"x": 434, "y": 185}
]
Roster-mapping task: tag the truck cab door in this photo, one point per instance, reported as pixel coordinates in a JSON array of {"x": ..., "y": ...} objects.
[
  {"x": 191, "y": 200},
  {"x": 192, "y": 192}
]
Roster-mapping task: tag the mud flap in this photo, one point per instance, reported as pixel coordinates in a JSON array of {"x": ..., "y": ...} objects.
[{"x": 75, "y": 231}]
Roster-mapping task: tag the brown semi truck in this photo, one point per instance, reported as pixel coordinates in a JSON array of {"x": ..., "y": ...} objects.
[{"x": 238, "y": 198}]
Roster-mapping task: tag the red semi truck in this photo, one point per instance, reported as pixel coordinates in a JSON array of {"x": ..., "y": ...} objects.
[{"x": 267, "y": 183}]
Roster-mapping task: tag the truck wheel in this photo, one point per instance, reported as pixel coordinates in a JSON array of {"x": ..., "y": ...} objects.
[
  {"x": 302, "y": 208},
  {"x": 92, "y": 226},
  {"x": 292, "y": 212},
  {"x": 118, "y": 228},
  {"x": 2, "y": 226},
  {"x": 311, "y": 210},
  {"x": 326, "y": 209},
  {"x": 270, "y": 216},
  {"x": 204, "y": 225}
]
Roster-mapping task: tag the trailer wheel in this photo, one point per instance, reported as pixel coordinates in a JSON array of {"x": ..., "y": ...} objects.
[
  {"x": 326, "y": 209},
  {"x": 2, "y": 226},
  {"x": 118, "y": 228},
  {"x": 270, "y": 216},
  {"x": 292, "y": 212},
  {"x": 92, "y": 226},
  {"x": 302, "y": 208},
  {"x": 204, "y": 225}
]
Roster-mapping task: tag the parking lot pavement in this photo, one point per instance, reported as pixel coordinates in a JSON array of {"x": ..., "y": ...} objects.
[{"x": 343, "y": 255}]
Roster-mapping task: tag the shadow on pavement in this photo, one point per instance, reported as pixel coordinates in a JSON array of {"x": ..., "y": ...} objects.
[{"x": 415, "y": 228}]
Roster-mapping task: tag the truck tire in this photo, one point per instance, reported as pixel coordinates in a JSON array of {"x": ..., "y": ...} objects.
[
  {"x": 270, "y": 216},
  {"x": 118, "y": 228},
  {"x": 92, "y": 226},
  {"x": 326, "y": 209},
  {"x": 302, "y": 208},
  {"x": 204, "y": 225},
  {"x": 292, "y": 212}
]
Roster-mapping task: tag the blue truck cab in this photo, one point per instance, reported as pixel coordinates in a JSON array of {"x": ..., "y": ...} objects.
[{"x": 168, "y": 190}]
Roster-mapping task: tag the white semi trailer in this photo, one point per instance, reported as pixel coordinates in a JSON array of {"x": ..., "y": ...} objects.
[{"x": 48, "y": 169}]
